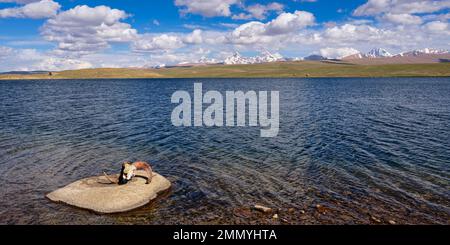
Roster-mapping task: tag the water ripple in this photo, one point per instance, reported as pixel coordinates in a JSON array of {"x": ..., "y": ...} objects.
[{"x": 357, "y": 146}]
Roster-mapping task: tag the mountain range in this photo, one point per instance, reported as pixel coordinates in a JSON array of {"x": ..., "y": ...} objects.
[
  {"x": 264, "y": 57},
  {"x": 382, "y": 56},
  {"x": 374, "y": 56}
]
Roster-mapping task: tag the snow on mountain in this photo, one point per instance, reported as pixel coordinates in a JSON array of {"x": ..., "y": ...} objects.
[
  {"x": 264, "y": 57},
  {"x": 425, "y": 51},
  {"x": 236, "y": 58},
  {"x": 159, "y": 66},
  {"x": 206, "y": 60},
  {"x": 378, "y": 53},
  {"x": 419, "y": 56},
  {"x": 374, "y": 53},
  {"x": 267, "y": 57}
]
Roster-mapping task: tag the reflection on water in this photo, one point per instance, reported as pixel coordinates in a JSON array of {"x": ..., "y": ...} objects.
[{"x": 366, "y": 149}]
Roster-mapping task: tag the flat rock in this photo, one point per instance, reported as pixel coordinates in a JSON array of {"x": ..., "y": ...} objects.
[{"x": 100, "y": 195}]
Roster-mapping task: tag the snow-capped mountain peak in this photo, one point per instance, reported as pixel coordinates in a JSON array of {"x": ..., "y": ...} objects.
[
  {"x": 206, "y": 60},
  {"x": 378, "y": 53},
  {"x": 430, "y": 51},
  {"x": 264, "y": 57},
  {"x": 424, "y": 51},
  {"x": 236, "y": 58},
  {"x": 374, "y": 53}
]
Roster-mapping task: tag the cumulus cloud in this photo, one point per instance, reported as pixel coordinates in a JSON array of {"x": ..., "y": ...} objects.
[
  {"x": 34, "y": 10},
  {"x": 158, "y": 43},
  {"x": 255, "y": 31},
  {"x": 365, "y": 37},
  {"x": 58, "y": 64},
  {"x": 19, "y": 1},
  {"x": 163, "y": 43},
  {"x": 403, "y": 12},
  {"x": 348, "y": 33},
  {"x": 441, "y": 17},
  {"x": 242, "y": 16},
  {"x": 249, "y": 33},
  {"x": 32, "y": 59},
  {"x": 84, "y": 29},
  {"x": 402, "y": 19},
  {"x": 259, "y": 11},
  {"x": 375, "y": 7},
  {"x": 4, "y": 50},
  {"x": 206, "y": 8},
  {"x": 337, "y": 53},
  {"x": 437, "y": 26},
  {"x": 194, "y": 38},
  {"x": 175, "y": 58},
  {"x": 288, "y": 22}
]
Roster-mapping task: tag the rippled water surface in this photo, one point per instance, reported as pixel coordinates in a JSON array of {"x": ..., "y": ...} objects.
[{"x": 367, "y": 150}]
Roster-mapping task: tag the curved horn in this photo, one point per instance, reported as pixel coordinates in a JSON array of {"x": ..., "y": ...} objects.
[{"x": 109, "y": 179}]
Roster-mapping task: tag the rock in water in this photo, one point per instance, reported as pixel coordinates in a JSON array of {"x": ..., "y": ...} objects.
[{"x": 100, "y": 195}]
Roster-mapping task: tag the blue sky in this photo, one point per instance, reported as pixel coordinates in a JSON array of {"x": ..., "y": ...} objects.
[{"x": 60, "y": 34}]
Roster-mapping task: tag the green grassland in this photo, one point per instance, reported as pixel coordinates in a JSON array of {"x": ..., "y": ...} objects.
[{"x": 278, "y": 69}]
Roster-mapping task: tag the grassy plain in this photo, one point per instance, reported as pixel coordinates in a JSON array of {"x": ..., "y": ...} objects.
[{"x": 277, "y": 69}]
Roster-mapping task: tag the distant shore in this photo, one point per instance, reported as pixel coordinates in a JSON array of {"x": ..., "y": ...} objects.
[{"x": 300, "y": 69}]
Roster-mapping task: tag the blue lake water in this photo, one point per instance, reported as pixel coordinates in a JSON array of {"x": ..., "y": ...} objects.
[{"x": 365, "y": 149}]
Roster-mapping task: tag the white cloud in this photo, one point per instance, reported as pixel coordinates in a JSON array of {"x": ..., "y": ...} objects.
[
  {"x": 258, "y": 32},
  {"x": 84, "y": 29},
  {"x": 354, "y": 33},
  {"x": 365, "y": 37},
  {"x": 337, "y": 53},
  {"x": 229, "y": 25},
  {"x": 259, "y": 11},
  {"x": 241, "y": 16},
  {"x": 402, "y": 19},
  {"x": 249, "y": 33},
  {"x": 58, "y": 64},
  {"x": 402, "y": 12},
  {"x": 441, "y": 17},
  {"x": 19, "y": 1},
  {"x": 175, "y": 58},
  {"x": 289, "y": 22},
  {"x": 376, "y": 7},
  {"x": 32, "y": 59},
  {"x": 194, "y": 38},
  {"x": 161, "y": 43},
  {"x": 206, "y": 8},
  {"x": 34, "y": 10},
  {"x": 5, "y": 52},
  {"x": 437, "y": 26}
]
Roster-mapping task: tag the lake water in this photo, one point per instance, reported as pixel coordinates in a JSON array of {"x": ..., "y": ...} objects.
[{"x": 365, "y": 149}]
